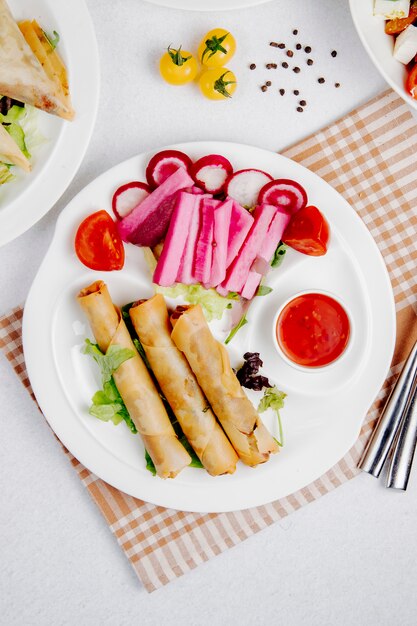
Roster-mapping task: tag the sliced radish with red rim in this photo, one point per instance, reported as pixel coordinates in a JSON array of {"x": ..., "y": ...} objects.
[
  {"x": 245, "y": 185},
  {"x": 165, "y": 163},
  {"x": 284, "y": 193},
  {"x": 211, "y": 172},
  {"x": 127, "y": 197}
]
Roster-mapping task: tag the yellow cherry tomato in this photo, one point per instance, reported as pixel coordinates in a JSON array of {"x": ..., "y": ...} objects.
[
  {"x": 178, "y": 67},
  {"x": 218, "y": 83},
  {"x": 216, "y": 48}
]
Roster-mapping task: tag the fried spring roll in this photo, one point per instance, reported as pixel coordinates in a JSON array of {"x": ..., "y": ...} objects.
[
  {"x": 211, "y": 365},
  {"x": 180, "y": 387},
  {"x": 134, "y": 383}
]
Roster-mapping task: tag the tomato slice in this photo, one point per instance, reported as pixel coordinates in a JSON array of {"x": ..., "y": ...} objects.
[
  {"x": 412, "y": 82},
  {"x": 98, "y": 244},
  {"x": 308, "y": 232}
]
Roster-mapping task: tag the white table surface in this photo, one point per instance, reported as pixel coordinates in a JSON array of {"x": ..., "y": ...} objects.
[{"x": 347, "y": 559}]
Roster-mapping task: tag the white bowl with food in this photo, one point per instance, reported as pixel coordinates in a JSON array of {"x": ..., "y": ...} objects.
[{"x": 393, "y": 55}]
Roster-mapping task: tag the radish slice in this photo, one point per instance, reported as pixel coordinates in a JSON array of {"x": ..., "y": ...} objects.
[
  {"x": 165, "y": 163},
  {"x": 128, "y": 196},
  {"x": 284, "y": 193},
  {"x": 245, "y": 185},
  {"x": 211, "y": 172}
]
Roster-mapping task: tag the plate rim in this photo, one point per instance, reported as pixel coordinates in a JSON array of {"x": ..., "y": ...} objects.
[
  {"x": 168, "y": 501},
  {"x": 84, "y": 126},
  {"x": 189, "y": 5}
]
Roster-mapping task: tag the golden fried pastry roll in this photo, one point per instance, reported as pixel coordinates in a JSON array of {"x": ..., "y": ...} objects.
[
  {"x": 134, "y": 383},
  {"x": 210, "y": 363},
  {"x": 180, "y": 387}
]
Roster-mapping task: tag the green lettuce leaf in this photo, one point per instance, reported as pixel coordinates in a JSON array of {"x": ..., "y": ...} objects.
[
  {"x": 264, "y": 290},
  {"x": 279, "y": 255},
  {"x": 243, "y": 320},
  {"x": 273, "y": 399},
  {"x": 212, "y": 303},
  {"x": 109, "y": 362},
  {"x": 107, "y": 405}
]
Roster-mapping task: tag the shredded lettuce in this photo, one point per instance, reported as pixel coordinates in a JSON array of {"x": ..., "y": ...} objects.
[
  {"x": 5, "y": 174},
  {"x": 29, "y": 124},
  {"x": 273, "y": 399},
  {"x": 22, "y": 125},
  {"x": 16, "y": 133},
  {"x": 212, "y": 303}
]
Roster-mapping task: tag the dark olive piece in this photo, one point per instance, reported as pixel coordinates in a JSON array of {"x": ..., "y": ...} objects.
[{"x": 252, "y": 66}]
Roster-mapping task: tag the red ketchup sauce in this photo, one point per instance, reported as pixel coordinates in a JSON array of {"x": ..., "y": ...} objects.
[{"x": 313, "y": 330}]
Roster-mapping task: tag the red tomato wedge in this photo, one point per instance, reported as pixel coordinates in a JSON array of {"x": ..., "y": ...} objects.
[
  {"x": 308, "y": 232},
  {"x": 98, "y": 244},
  {"x": 412, "y": 82}
]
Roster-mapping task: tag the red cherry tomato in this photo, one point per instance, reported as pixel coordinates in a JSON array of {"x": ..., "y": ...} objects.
[
  {"x": 307, "y": 232},
  {"x": 98, "y": 244},
  {"x": 412, "y": 82}
]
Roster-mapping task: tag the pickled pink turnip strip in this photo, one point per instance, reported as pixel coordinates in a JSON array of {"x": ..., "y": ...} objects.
[
  {"x": 168, "y": 263},
  {"x": 147, "y": 224},
  {"x": 185, "y": 271},
  {"x": 222, "y": 215},
  {"x": 251, "y": 285},
  {"x": 260, "y": 266},
  {"x": 204, "y": 248},
  {"x": 240, "y": 224},
  {"x": 238, "y": 272}
]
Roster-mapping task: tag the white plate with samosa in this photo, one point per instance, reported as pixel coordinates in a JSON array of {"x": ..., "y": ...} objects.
[{"x": 49, "y": 84}]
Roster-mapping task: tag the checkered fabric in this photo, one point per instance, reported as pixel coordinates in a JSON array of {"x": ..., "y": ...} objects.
[{"x": 370, "y": 158}]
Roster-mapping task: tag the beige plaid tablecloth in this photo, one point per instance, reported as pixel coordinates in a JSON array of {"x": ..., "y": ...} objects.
[{"x": 370, "y": 157}]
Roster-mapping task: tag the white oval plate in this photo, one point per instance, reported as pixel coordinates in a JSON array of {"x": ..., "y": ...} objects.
[
  {"x": 208, "y": 5},
  {"x": 380, "y": 47},
  {"x": 26, "y": 200},
  {"x": 324, "y": 410}
]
